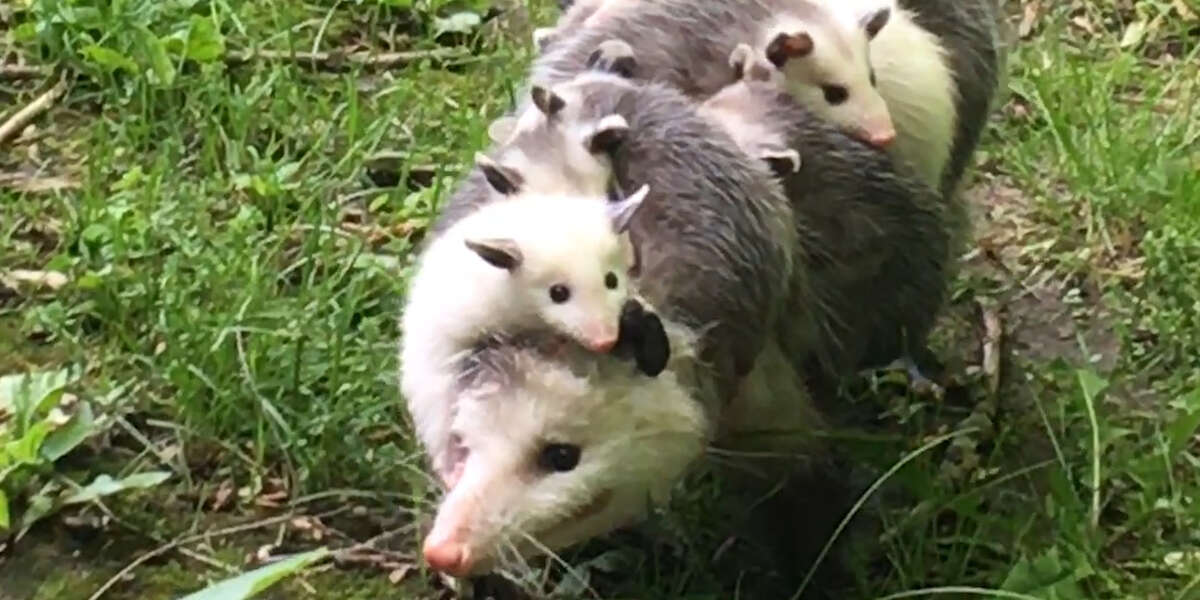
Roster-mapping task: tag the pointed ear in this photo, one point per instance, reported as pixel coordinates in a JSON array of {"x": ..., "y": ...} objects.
[
  {"x": 499, "y": 252},
  {"x": 782, "y": 161},
  {"x": 875, "y": 21},
  {"x": 502, "y": 129},
  {"x": 501, "y": 178},
  {"x": 622, "y": 212},
  {"x": 609, "y": 133},
  {"x": 787, "y": 46},
  {"x": 546, "y": 101}
]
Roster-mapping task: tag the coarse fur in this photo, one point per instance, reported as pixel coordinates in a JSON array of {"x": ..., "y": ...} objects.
[
  {"x": 717, "y": 244},
  {"x": 685, "y": 44}
]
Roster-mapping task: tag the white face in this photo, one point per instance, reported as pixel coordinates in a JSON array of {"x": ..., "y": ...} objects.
[
  {"x": 552, "y": 458},
  {"x": 581, "y": 293},
  {"x": 836, "y": 81}
]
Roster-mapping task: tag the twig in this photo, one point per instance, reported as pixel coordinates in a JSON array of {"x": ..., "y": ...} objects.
[
  {"x": 167, "y": 547},
  {"x": 19, "y": 72},
  {"x": 333, "y": 60},
  {"x": 993, "y": 332},
  {"x": 18, "y": 121}
]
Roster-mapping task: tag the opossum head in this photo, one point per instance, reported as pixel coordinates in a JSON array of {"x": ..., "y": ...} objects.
[
  {"x": 568, "y": 256},
  {"x": 826, "y": 61},
  {"x": 553, "y": 446}
]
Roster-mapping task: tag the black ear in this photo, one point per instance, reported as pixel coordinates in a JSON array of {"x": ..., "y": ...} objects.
[
  {"x": 781, "y": 161},
  {"x": 787, "y": 46},
  {"x": 655, "y": 349},
  {"x": 613, "y": 56},
  {"x": 501, "y": 178},
  {"x": 500, "y": 253},
  {"x": 875, "y": 21},
  {"x": 609, "y": 133},
  {"x": 547, "y": 101}
]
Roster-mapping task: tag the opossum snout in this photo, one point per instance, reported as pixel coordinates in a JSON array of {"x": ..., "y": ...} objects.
[
  {"x": 600, "y": 338},
  {"x": 447, "y": 556},
  {"x": 882, "y": 138}
]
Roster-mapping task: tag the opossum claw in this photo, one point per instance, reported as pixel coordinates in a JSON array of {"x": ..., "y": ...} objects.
[
  {"x": 787, "y": 46},
  {"x": 613, "y": 56}
]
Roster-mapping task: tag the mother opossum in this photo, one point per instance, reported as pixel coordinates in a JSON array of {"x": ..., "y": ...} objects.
[{"x": 562, "y": 445}]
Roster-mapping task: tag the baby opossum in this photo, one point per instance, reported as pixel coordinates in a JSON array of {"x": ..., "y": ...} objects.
[
  {"x": 935, "y": 61},
  {"x": 582, "y": 446},
  {"x": 559, "y": 259}
]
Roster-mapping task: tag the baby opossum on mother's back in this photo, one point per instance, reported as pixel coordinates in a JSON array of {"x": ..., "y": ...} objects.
[
  {"x": 685, "y": 43},
  {"x": 585, "y": 441},
  {"x": 530, "y": 257}
]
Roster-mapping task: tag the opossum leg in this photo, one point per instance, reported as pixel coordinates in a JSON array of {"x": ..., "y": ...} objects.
[
  {"x": 613, "y": 56},
  {"x": 917, "y": 381},
  {"x": 543, "y": 36}
]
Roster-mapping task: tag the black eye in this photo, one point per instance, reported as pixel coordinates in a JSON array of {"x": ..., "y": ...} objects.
[
  {"x": 872, "y": 77},
  {"x": 559, "y": 458},
  {"x": 835, "y": 94},
  {"x": 559, "y": 293},
  {"x": 610, "y": 280}
]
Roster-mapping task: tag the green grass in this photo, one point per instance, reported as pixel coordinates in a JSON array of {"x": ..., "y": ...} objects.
[{"x": 238, "y": 234}]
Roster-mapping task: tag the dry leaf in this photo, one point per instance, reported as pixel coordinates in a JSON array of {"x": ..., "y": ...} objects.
[
  {"x": 1184, "y": 11},
  {"x": 222, "y": 495},
  {"x": 302, "y": 523},
  {"x": 45, "y": 279},
  {"x": 1134, "y": 34},
  {"x": 398, "y": 575},
  {"x": 1029, "y": 18}
]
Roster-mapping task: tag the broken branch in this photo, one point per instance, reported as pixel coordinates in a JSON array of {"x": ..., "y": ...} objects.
[{"x": 16, "y": 123}]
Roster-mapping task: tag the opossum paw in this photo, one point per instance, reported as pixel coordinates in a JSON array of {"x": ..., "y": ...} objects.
[
  {"x": 613, "y": 56},
  {"x": 781, "y": 161},
  {"x": 542, "y": 36},
  {"x": 918, "y": 383}
]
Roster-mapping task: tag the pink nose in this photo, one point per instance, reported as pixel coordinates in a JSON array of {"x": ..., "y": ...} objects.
[
  {"x": 603, "y": 344},
  {"x": 881, "y": 139},
  {"x": 448, "y": 557}
]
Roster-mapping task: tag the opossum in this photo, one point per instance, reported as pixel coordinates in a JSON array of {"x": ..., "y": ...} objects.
[
  {"x": 582, "y": 447},
  {"x": 855, "y": 255},
  {"x": 685, "y": 43},
  {"x": 558, "y": 258}
]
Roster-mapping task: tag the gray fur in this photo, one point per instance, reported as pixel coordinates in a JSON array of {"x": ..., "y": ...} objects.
[
  {"x": 715, "y": 236},
  {"x": 685, "y": 44}
]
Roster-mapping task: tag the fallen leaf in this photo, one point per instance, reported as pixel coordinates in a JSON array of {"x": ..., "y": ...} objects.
[
  {"x": 398, "y": 575},
  {"x": 222, "y": 495},
  {"x": 1029, "y": 18},
  {"x": 1184, "y": 11},
  {"x": 45, "y": 279},
  {"x": 1134, "y": 34}
]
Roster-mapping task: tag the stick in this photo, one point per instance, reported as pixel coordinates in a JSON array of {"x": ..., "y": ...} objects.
[
  {"x": 333, "y": 60},
  {"x": 19, "y": 72},
  {"x": 16, "y": 123},
  {"x": 167, "y": 547}
]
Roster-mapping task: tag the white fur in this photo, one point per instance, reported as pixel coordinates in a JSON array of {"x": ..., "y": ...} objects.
[
  {"x": 912, "y": 74},
  {"x": 637, "y": 436},
  {"x": 914, "y": 90},
  {"x": 455, "y": 296}
]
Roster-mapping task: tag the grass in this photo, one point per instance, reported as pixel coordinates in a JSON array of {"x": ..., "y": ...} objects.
[{"x": 237, "y": 235}]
